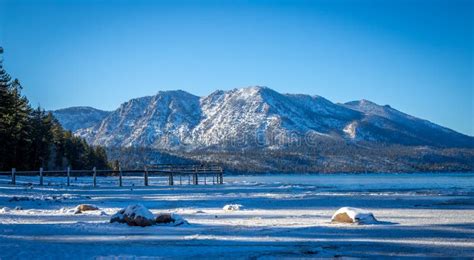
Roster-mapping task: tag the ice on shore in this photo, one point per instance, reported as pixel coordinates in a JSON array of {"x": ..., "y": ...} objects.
[{"x": 353, "y": 215}]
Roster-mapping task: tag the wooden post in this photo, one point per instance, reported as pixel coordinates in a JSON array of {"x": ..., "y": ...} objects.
[
  {"x": 120, "y": 176},
  {"x": 196, "y": 180},
  {"x": 180, "y": 182},
  {"x": 213, "y": 180},
  {"x": 221, "y": 181},
  {"x": 205, "y": 179},
  {"x": 170, "y": 179},
  {"x": 41, "y": 176},
  {"x": 189, "y": 179},
  {"x": 13, "y": 176},
  {"x": 68, "y": 171},
  {"x": 145, "y": 176},
  {"x": 94, "y": 176}
]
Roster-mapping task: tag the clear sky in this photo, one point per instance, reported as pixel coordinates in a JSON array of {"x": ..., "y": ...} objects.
[{"x": 416, "y": 55}]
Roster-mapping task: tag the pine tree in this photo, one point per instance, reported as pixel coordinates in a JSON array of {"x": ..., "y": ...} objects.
[
  {"x": 41, "y": 136},
  {"x": 14, "y": 121},
  {"x": 18, "y": 127},
  {"x": 6, "y": 101},
  {"x": 30, "y": 139},
  {"x": 58, "y": 159}
]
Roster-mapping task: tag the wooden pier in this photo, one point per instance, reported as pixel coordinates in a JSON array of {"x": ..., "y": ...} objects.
[{"x": 173, "y": 172}]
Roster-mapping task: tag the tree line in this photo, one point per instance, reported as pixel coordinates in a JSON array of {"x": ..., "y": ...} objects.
[{"x": 31, "y": 138}]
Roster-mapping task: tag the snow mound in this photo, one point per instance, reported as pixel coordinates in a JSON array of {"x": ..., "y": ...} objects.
[
  {"x": 134, "y": 215},
  {"x": 232, "y": 207},
  {"x": 170, "y": 219},
  {"x": 353, "y": 215}
]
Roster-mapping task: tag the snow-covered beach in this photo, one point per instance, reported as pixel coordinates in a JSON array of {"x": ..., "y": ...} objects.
[{"x": 280, "y": 216}]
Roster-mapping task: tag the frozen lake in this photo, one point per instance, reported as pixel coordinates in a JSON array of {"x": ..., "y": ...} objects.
[
  {"x": 282, "y": 216},
  {"x": 403, "y": 181}
]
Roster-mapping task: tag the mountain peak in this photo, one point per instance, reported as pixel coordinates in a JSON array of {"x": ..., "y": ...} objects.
[
  {"x": 256, "y": 88},
  {"x": 251, "y": 89},
  {"x": 362, "y": 103},
  {"x": 74, "y": 118},
  {"x": 372, "y": 108},
  {"x": 174, "y": 93},
  {"x": 78, "y": 108}
]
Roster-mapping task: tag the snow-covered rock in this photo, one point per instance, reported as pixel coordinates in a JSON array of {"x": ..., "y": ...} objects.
[
  {"x": 232, "y": 207},
  {"x": 353, "y": 215},
  {"x": 170, "y": 219},
  {"x": 134, "y": 215},
  {"x": 85, "y": 207}
]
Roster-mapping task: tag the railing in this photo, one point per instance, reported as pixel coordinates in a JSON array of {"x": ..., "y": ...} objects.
[{"x": 194, "y": 172}]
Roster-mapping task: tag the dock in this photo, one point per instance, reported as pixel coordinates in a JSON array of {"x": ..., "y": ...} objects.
[{"x": 174, "y": 173}]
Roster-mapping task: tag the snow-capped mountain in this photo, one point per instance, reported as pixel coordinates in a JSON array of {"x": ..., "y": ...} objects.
[
  {"x": 74, "y": 118},
  {"x": 259, "y": 114},
  {"x": 253, "y": 116},
  {"x": 158, "y": 121}
]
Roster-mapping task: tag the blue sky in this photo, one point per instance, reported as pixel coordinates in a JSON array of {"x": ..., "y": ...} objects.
[{"x": 415, "y": 55}]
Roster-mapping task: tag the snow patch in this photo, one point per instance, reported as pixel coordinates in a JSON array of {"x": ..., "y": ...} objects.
[{"x": 350, "y": 130}]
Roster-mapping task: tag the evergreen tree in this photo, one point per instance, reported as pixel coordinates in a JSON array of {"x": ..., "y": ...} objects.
[
  {"x": 58, "y": 159},
  {"x": 5, "y": 111},
  {"x": 17, "y": 128},
  {"x": 41, "y": 135},
  {"x": 30, "y": 139}
]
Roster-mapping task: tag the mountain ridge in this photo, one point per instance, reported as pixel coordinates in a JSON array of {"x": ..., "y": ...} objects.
[
  {"x": 260, "y": 119},
  {"x": 74, "y": 118}
]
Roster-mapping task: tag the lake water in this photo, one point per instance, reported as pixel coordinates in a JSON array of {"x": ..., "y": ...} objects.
[
  {"x": 445, "y": 183},
  {"x": 369, "y": 181}
]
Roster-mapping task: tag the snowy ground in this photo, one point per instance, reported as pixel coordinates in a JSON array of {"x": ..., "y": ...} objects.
[{"x": 280, "y": 217}]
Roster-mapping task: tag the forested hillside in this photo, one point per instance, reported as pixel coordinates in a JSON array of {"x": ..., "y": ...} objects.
[{"x": 30, "y": 138}]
